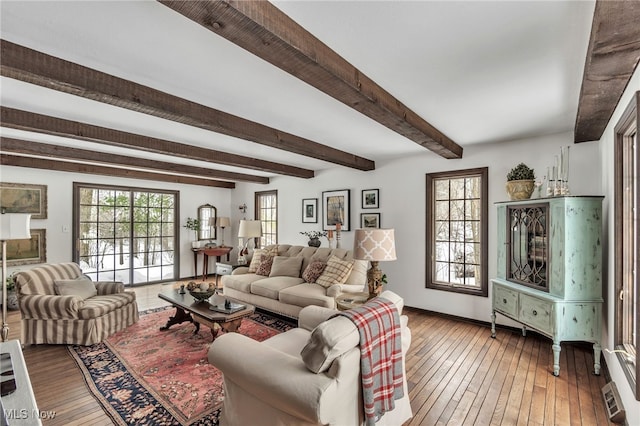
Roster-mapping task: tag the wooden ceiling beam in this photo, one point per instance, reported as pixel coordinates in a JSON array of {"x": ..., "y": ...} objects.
[
  {"x": 265, "y": 31},
  {"x": 31, "y": 66},
  {"x": 93, "y": 169},
  {"x": 612, "y": 57},
  {"x": 18, "y": 146},
  {"x": 30, "y": 121}
]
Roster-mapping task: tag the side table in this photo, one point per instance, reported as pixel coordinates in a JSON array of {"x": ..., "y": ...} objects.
[
  {"x": 347, "y": 301},
  {"x": 218, "y": 252}
]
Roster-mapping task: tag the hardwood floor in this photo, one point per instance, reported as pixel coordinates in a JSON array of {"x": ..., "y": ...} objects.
[{"x": 457, "y": 375}]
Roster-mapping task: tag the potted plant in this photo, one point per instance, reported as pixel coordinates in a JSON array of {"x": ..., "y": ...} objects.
[
  {"x": 520, "y": 182},
  {"x": 314, "y": 237},
  {"x": 194, "y": 225},
  {"x": 12, "y": 297}
]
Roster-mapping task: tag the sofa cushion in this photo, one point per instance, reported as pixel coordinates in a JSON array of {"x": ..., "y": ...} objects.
[
  {"x": 286, "y": 267},
  {"x": 82, "y": 287},
  {"x": 241, "y": 282},
  {"x": 358, "y": 275},
  {"x": 266, "y": 262},
  {"x": 270, "y": 287},
  {"x": 313, "y": 271},
  {"x": 307, "y": 294},
  {"x": 328, "y": 341},
  {"x": 336, "y": 272},
  {"x": 100, "y": 305}
]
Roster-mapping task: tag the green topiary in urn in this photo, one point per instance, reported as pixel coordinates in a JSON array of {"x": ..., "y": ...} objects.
[{"x": 520, "y": 182}]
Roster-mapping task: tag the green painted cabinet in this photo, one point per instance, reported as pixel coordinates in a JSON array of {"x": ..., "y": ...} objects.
[{"x": 549, "y": 275}]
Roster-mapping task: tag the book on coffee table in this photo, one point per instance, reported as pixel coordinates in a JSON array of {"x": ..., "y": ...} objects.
[{"x": 228, "y": 309}]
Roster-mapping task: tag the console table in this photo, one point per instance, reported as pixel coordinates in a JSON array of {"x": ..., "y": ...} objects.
[{"x": 218, "y": 252}]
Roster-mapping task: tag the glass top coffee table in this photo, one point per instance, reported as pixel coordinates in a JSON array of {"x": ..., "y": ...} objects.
[{"x": 200, "y": 312}]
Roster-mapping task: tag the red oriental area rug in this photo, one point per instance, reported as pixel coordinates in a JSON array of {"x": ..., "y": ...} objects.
[{"x": 144, "y": 376}]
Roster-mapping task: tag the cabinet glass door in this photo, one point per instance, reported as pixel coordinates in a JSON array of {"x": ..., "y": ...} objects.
[{"x": 528, "y": 255}]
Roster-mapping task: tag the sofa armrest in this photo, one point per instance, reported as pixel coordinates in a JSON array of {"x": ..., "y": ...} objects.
[
  {"x": 109, "y": 287},
  {"x": 240, "y": 270},
  {"x": 337, "y": 289},
  {"x": 286, "y": 385},
  {"x": 311, "y": 316},
  {"x": 48, "y": 306}
]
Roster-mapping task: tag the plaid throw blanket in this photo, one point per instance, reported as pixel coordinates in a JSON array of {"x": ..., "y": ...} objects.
[{"x": 378, "y": 322}]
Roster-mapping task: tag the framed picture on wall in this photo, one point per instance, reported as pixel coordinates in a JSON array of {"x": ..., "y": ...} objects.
[
  {"x": 310, "y": 210},
  {"x": 24, "y": 198},
  {"x": 336, "y": 209},
  {"x": 370, "y": 198},
  {"x": 370, "y": 220},
  {"x": 27, "y": 251}
]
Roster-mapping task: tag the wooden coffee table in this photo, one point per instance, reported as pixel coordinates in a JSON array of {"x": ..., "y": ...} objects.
[{"x": 188, "y": 309}]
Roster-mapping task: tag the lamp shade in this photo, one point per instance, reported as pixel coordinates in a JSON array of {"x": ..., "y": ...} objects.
[
  {"x": 374, "y": 244},
  {"x": 223, "y": 222},
  {"x": 250, "y": 229},
  {"x": 15, "y": 226}
]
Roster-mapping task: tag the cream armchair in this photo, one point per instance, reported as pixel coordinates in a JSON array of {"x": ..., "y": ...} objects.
[
  {"x": 269, "y": 383},
  {"x": 59, "y": 305}
]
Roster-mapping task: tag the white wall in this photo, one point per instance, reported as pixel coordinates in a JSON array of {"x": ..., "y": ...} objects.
[
  {"x": 403, "y": 207},
  {"x": 60, "y": 208},
  {"x": 607, "y": 164}
]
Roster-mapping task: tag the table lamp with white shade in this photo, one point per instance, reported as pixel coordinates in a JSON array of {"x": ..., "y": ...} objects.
[
  {"x": 13, "y": 226},
  {"x": 223, "y": 222},
  {"x": 374, "y": 245},
  {"x": 248, "y": 229}
]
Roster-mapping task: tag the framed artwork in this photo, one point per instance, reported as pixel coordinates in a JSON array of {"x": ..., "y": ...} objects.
[
  {"x": 336, "y": 209},
  {"x": 24, "y": 198},
  {"x": 310, "y": 210},
  {"x": 370, "y": 198},
  {"x": 27, "y": 251},
  {"x": 370, "y": 220}
]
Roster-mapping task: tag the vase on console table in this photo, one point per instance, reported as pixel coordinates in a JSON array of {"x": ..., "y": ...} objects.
[{"x": 314, "y": 242}]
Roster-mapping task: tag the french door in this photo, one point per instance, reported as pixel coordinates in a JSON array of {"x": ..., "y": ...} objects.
[{"x": 125, "y": 234}]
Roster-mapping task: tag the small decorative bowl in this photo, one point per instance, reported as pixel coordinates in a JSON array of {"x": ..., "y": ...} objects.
[{"x": 200, "y": 295}]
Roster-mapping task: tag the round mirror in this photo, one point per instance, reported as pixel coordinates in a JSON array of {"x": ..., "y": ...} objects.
[{"x": 207, "y": 215}]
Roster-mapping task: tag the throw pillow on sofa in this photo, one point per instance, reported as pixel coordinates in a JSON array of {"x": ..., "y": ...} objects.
[
  {"x": 257, "y": 258},
  {"x": 82, "y": 287},
  {"x": 336, "y": 272},
  {"x": 266, "y": 261},
  {"x": 313, "y": 271},
  {"x": 255, "y": 261},
  {"x": 284, "y": 266}
]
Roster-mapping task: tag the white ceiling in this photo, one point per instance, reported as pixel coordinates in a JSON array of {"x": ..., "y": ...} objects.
[{"x": 478, "y": 71}]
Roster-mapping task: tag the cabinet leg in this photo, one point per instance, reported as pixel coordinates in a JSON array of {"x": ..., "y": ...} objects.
[
  {"x": 556, "y": 358},
  {"x": 493, "y": 324},
  {"x": 596, "y": 358},
  {"x": 524, "y": 331}
]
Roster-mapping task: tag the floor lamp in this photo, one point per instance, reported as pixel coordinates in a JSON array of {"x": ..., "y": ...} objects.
[{"x": 13, "y": 226}]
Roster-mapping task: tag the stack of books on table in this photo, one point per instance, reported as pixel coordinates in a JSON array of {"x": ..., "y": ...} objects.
[{"x": 227, "y": 308}]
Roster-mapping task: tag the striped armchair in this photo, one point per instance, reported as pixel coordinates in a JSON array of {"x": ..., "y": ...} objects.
[{"x": 71, "y": 319}]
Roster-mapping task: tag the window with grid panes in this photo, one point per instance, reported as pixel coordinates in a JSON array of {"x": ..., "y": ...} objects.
[
  {"x": 125, "y": 234},
  {"x": 627, "y": 243},
  {"x": 266, "y": 205},
  {"x": 457, "y": 229}
]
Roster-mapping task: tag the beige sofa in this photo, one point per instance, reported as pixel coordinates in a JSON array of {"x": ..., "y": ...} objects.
[
  {"x": 59, "y": 305},
  {"x": 289, "y": 391},
  {"x": 287, "y": 295}
]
